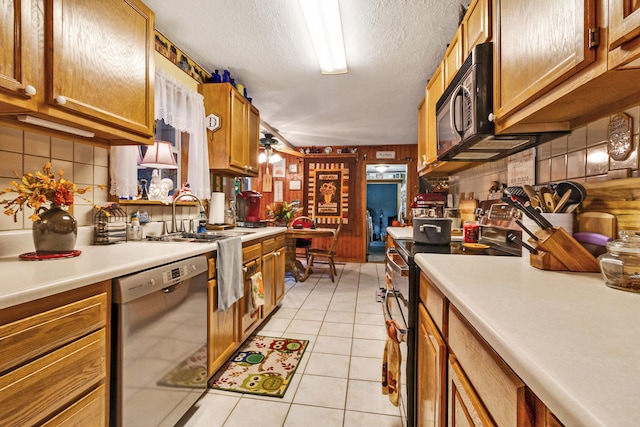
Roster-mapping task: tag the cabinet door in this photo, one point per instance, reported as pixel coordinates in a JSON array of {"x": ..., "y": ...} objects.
[
  {"x": 268, "y": 272},
  {"x": 453, "y": 57},
  {"x": 624, "y": 21},
  {"x": 249, "y": 315},
  {"x": 539, "y": 44},
  {"x": 476, "y": 25},
  {"x": 435, "y": 88},
  {"x": 18, "y": 59},
  {"x": 278, "y": 274},
  {"x": 422, "y": 134},
  {"x": 223, "y": 330},
  {"x": 253, "y": 142},
  {"x": 465, "y": 407},
  {"x": 431, "y": 372},
  {"x": 239, "y": 153},
  {"x": 99, "y": 60}
]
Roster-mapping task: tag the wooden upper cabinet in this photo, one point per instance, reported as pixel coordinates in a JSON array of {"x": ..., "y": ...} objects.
[
  {"x": 476, "y": 25},
  {"x": 539, "y": 44},
  {"x": 18, "y": 62},
  {"x": 624, "y": 21},
  {"x": 99, "y": 62},
  {"x": 80, "y": 63},
  {"x": 435, "y": 89},
  {"x": 233, "y": 148},
  {"x": 453, "y": 56},
  {"x": 422, "y": 134}
]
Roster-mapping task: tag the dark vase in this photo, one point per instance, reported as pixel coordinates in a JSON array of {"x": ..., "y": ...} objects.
[{"x": 56, "y": 231}]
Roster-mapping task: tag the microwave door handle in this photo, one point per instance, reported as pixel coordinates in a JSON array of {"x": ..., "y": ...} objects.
[{"x": 452, "y": 110}]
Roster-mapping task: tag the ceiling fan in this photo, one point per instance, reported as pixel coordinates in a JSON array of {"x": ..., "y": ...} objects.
[{"x": 267, "y": 142}]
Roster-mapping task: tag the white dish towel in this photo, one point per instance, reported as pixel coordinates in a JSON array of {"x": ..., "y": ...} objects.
[{"x": 230, "y": 275}]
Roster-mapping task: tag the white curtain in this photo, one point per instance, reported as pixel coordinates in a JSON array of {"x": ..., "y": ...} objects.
[{"x": 183, "y": 109}]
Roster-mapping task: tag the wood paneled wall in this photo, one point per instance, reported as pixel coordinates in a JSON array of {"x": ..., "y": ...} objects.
[{"x": 352, "y": 245}]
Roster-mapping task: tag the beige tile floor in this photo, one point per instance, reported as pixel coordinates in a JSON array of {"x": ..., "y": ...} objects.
[{"x": 338, "y": 380}]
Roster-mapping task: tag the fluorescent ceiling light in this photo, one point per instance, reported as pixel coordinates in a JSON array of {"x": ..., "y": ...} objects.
[
  {"x": 55, "y": 126},
  {"x": 325, "y": 28}
]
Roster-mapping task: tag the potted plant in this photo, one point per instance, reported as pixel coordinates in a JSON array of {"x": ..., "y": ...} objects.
[{"x": 282, "y": 213}]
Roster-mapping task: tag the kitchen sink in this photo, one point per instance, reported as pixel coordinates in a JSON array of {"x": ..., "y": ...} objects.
[{"x": 206, "y": 237}]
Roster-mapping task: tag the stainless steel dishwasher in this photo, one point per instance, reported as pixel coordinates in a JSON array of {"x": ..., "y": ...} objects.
[{"x": 159, "y": 353}]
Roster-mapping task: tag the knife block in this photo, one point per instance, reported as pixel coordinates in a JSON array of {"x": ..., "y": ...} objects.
[{"x": 559, "y": 251}]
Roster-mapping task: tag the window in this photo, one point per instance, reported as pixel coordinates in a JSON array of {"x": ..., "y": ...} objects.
[{"x": 164, "y": 132}]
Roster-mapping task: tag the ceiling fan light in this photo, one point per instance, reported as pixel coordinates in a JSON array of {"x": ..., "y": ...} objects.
[
  {"x": 275, "y": 158},
  {"x": 323, "y": 21},
  {"x": 262, "y": 157}
]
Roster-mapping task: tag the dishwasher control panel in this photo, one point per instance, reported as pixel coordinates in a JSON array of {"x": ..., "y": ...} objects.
[{"x": 156, "y": 279}]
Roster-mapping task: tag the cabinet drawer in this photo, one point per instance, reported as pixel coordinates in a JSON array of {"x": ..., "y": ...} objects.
[
  {"x": 90, "y": 411},
  {"x": 279, "y": 241},
  {"x": 250, "y": 252},
  {"x": 27, "y": 338},
  {"x": 434, "y": 301},
  {"x": 503, "y": 393},
  {"x": 268, "y": 245},
  {"x": 38, "y": 389}
]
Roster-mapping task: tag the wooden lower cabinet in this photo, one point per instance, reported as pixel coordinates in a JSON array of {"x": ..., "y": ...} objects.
[
  {"x": 53, "y": 358},
  {"x": 465, "y": 407},
  {"x": 250, "y": 316},
  {"x": 431, "y": 373},
  {"x": 223, "y": 326}
]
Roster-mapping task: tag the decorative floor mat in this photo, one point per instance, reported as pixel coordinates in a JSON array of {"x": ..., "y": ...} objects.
[{"x": 263, "y": 366}]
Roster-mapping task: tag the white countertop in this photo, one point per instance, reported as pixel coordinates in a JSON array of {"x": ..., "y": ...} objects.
[
  {"x": 24, "y": 281},
  {"x": 400, "y": 232},
  {"x": 574, "y": 341}
]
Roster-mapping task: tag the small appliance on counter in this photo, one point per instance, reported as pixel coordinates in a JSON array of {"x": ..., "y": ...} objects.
[
  {"x": 429, "y": 205},
  {"x": 248, "y": 206}
]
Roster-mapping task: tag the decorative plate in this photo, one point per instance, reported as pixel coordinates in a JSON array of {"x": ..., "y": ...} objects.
[
  {"x": 328, "y": 150},
  {"x": 619, "y": 144}
]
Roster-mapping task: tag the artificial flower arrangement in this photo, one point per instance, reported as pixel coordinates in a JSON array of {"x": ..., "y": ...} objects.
[
  {"x": 34, "y": 190},
  {"x": 283, "y": 212}
]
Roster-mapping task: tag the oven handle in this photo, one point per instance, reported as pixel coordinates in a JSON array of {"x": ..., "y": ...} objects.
[
  {"x": 402, "y": 269},
  {"x": 401, "y": 333}
]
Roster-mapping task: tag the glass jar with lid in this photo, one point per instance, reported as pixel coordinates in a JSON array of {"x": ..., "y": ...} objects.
[{"x": 620, "y": 266}]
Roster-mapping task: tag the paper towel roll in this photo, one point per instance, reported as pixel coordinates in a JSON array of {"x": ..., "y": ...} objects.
[{"x": 216, "y": 208}]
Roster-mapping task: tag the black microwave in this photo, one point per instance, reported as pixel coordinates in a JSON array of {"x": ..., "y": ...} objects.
[{"x": 464, "y": 116}]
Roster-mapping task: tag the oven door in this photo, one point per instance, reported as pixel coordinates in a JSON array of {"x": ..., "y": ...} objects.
[{"x": 396, "y": 314}]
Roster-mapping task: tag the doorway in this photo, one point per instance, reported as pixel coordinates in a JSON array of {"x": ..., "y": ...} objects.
[{"x": 386, "y": 197}]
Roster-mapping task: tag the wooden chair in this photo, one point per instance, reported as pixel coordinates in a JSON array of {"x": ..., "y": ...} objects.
[
  {"x": 305, "y": 244},
  {"x": 329, "y": 254}
]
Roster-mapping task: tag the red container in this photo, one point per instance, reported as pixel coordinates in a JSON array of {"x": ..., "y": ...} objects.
[{"x": 471, "y": 230}]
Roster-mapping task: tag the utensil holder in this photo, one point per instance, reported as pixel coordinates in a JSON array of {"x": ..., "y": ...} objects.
[{"x": 559, "y": 251}]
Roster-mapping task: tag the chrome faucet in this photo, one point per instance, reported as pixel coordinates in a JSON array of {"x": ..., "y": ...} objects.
[{"x": 174, "y": 225}]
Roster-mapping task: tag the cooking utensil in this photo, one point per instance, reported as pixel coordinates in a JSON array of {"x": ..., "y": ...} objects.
[
  {"x": 532, "y": 194},
  {"x": 541, "y": 194},
  {"x": 563, "y": 201},
  {"x": 549, "y": 203},
  {"x": 517, "y": 191},
  {"x": 432, "y": 231},
  {"x": 578, "y": 193}
]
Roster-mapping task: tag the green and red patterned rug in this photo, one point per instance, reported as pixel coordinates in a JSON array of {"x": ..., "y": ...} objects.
[{"x": 263, "y": 366}]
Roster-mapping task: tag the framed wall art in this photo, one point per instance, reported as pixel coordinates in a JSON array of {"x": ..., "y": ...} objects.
[
  {"x": 327, "y": 195},
  {"x": 280, "y": 168}
]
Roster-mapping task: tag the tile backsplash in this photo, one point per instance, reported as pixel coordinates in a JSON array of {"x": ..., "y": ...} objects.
[
  {"x": 23, "y": 151},
  {"x": 580, "y": 156}
]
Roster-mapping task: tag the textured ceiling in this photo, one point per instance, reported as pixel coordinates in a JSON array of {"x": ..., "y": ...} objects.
[{"x": 392, "y": 47}]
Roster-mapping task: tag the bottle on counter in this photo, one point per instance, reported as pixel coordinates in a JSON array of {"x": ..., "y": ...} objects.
[{"x": 135, "y": 229}]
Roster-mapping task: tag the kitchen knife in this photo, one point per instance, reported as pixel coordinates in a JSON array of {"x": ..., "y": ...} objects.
[
  {"x": 515, "y": 239},
  {"x": 529, "y": 211},
  {"x": 526, "y": 230}
]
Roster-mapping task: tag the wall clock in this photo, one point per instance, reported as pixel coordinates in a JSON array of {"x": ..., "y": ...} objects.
[{"x": 619, "y": 143}]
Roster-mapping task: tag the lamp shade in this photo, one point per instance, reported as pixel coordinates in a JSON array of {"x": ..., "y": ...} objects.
[{"x": 159, "y": 156}]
